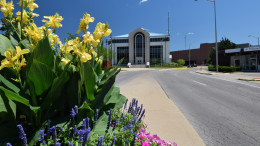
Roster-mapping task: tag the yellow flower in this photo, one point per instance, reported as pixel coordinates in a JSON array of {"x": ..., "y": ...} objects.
[
  {"x": 7, "y": 8},
  {"x": 34, "y": 32},
  {"x": 101, "y": 30},
  {"x": 85, "y": 57},
  {"x": 29, "y": 3},
  {"x": 25, "y": 16},
  {"x": 88, "y": 38},
  {"x": 98, "y": 60},
  {"x": 14, "y": 59},
  {"x": 65, "y": 61},
  {"x": 54, "y": 21},
  {"x": 84, "y": 22},
  {"x": 93, "y": 52}
]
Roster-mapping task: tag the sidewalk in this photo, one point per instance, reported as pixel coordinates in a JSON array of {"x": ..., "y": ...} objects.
[
  {"x": 162, "y": 115},
  {"x": 246, "y": 76}
]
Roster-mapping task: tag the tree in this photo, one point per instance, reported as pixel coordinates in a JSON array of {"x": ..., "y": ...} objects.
[
  {"x": 211, "y": 54},
  {"x": 181, "y": 62},
  {"x": 225, "y": 43}
]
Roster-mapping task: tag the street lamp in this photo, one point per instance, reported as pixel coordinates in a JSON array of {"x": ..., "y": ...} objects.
[
  {"x": 190, "y": 33},
  {"x": 215, "y": 32},
  {"x": 255, "y": 37}
]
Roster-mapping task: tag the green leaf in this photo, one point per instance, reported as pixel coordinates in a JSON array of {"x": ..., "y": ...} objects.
[
  {"x": 7, "y": 107},
  {"x": 101, "y": 125},
  {"x": 89, "y": 80},
  {"x": 9, "y": 84},
  {"x": 56, "y": 90},
  {"x": 15, "y": 97},
  {"x": 41, "y": 76},
  {"x": 5, "y": 44},
  {"x": 116, "y": 99},
  {"x": 42, "y": 53},
  {"x": 26, "y": 44},
  {"x": 13, "y": 41},
  {"x": 104, "y": 94}
]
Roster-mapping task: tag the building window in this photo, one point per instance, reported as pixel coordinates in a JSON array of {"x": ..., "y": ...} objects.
[
  {"x": 165, "y": 39},
  {"x": 139, "y": 45},
  {"x": 156, "y": 54},
  {"x": 119, "y": 40},
  {"x": 123, "y": 52}
]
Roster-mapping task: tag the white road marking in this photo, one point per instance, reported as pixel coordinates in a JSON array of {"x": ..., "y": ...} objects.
[
  {"x": 225, "y": 79},
  {"x": 199, "y": 83}
]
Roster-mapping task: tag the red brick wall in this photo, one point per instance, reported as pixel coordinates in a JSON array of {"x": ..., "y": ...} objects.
[{"x": 199, "y": 55}]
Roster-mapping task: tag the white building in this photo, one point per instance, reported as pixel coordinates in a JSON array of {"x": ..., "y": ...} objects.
[{"x": 140, "y": 47}]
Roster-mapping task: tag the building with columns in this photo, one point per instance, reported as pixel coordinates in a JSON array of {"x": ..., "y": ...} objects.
[{"x": 140, "y": 47}]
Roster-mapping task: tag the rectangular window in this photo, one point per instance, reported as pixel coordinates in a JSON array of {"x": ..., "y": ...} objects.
[
  {"x": 119, "y": 40},
  {"x": 165, "y": 39},
  {"x": 156, "y": 54},
  {"x": 123, "y": 52}
]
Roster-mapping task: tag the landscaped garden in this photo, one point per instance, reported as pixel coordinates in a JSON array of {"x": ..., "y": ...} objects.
[{"x": 54, "y": 93}]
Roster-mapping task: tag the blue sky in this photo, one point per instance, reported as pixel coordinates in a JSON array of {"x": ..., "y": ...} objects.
[{"x": 236, "y": 19}]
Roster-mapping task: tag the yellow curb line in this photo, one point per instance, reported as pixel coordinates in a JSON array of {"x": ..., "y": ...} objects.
[{"x": 180, "y": 68}]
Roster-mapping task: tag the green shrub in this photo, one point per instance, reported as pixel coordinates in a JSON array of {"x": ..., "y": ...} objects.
[
  {"x": 224, "y": 68},
  {"x": 181, "y": 62},
  {"x": 211, "y": 68}
]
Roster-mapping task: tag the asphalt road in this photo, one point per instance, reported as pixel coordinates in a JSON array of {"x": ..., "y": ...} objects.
[{"x": 224, "y": 112}]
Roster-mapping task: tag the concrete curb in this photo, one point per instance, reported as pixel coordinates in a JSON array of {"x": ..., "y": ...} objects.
[
  {"x": 205, "y": 73},
  {"x": 248, "y": 79}
]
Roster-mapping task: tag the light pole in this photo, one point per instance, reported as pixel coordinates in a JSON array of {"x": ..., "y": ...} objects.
[
  {"x": 255, "y": 37},
  {"x": 190, "y": 33},
  {"x": 216, "y": 37}
]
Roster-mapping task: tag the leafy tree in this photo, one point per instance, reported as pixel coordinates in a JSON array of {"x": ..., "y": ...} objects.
[
  {"x": 225, "y": 43},
  {"x": 211, "y": 54},
  {"x": 181, "y": 62}
]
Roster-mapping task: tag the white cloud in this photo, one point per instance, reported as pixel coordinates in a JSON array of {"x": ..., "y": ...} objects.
[{"x": 142, "y": 1}]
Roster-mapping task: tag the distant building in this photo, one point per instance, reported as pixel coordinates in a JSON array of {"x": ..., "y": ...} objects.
[
  {"x": 198, "y": 56},
  {"x": 140, "y": 47},
  {"x": 245, "y": 56}
]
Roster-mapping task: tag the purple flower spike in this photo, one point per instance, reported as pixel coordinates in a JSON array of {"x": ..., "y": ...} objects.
[
  {"x": 70, "y": 144},
  {"x": 95, "y": 117},
  {"x": 75, "y": 130},
  {"x": 133, "y": 142},
  {"x": 54, "y": 135},
  {"x": 125, "y": 104},
  {"x": 109, "y": 120},
  {"x": 83, "y": 124},
  {"x": 72, "y": 112},
  {"x": 100, "y": 141},
  {"x": 114, "y": 139},
  {"x": 87, "y": 123},
  {"x": 142, "y": 115},
  {"x": 8, "y": 144},
  {"x": 58, "y": 144},
  {"x": 76, "y": 109},
  {"x": 86, "y": 136},
  {"x": 42, "y": 135},
  {"x": 22, "y": 135},
  {"x": 115, "y": 124}
]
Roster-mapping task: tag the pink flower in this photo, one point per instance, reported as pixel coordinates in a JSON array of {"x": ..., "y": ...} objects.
[{"x": 145, "y": 144}]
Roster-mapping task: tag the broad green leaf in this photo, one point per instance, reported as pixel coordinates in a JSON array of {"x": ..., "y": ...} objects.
[
  {"x": 41, "y": 76},
  {"x": 101, "y": 125},
  {"x": 9, "y": 84},
  {"x": 71, "y": 90},
  {"x": 56, "y": 90},
  {"x": 89, "y": 80},
  {"x": 104, "y": 94},
  {"x": 15, "y": 97},
  {"x": 5, "y": 44},
  {"x": 13, "y": 41},
  {"x": 26, "y": 44},
  {"x": 7, "y": 106},
  {"x": 42, "y": 53}
]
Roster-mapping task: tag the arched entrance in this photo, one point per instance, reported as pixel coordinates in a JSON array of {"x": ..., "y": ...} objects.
[{"x": 139, "y": 48}]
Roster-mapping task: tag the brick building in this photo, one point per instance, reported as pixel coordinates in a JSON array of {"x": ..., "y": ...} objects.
[{"x": 197, "y": 56}]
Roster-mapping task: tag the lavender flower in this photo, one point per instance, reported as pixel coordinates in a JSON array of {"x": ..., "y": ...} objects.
[
  {"x": 42, "y": 135},
  {"x": 109, "y": 120},
  {"x": 48, "y": 129},
  {"x": 22, "y": 135},
  {"x": 54, "y": 135},
  {"x": 81, "y": 133},
  {"x": 73, "y": 113},
  {"x": 133, "y": 142},
  {"x": 100, "y": 141},
  {"x": 114, "y": 139},
  {"x": 86, "y": 136},
  {"x": 87, "y": 123},
  {"x": 140, "y": 110},
  {"x": 125, "y": 104},
  {"x": 142, "y": 115},
  {"x": 122, "y": 118},
  {"x": 70, "y": 144},
  {"x": 76, "y": 109},
  {"x": 115, "y": 124},
  {"x": 58, "y": 144},
  {"x": 83, "y": 124},
  {"x": 95, "y": 117},
  {"x": 75, "y": 130},
  {"x": 8, "y": 144}
]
